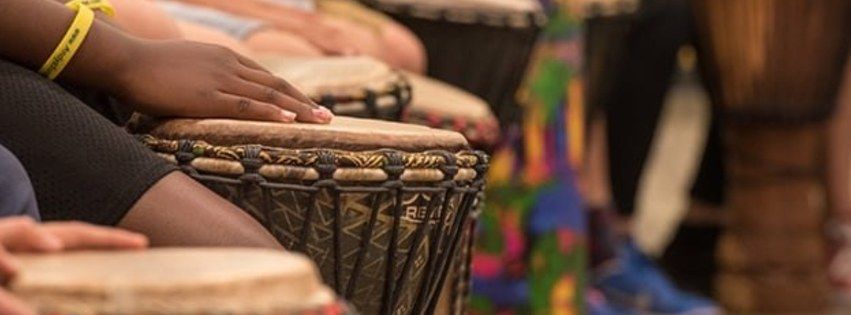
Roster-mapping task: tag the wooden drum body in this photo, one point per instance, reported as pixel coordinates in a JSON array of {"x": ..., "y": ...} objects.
[
  {"x": 773, "y": 67},
  {"x": 381, "y": 207},
  {"x": 482, "y": 46},
  {"x": 608, "y": 23},
  {"x": 190, "y": 281}
]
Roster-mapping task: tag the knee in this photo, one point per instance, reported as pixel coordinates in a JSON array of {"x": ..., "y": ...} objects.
[
  {"x": 17, "y": 196},
  {"x": 403, "y": 48}
]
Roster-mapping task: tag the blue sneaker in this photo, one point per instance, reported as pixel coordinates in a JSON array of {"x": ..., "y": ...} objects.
[
  {"x": 597, "y": 304},
  {"x": 633, "y": 281}
]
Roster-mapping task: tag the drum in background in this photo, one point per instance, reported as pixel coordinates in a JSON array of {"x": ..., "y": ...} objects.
[
  {"x": 773, "y": 67},
  {"x": 482, "y": 46},
  {"x": 350, "y": 86},
  {"x": 380, "y": 206},
  {"x": 607, "y": 24},
  {"x": 440, "y": 105},
  {"x": 174, "y": 281},
  {"x": 774, "y": 60}
]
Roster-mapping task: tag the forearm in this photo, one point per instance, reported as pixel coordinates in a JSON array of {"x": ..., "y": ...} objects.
[{"x": 31, "y": 29}]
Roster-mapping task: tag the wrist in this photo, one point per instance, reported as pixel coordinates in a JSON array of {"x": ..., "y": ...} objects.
[{"x": 120, "y": 62}]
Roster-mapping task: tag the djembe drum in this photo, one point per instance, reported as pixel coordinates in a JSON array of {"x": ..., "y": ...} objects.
[
  {"x": 380, "y": 206},
  {"x": 607, "y": 25},
  {"x": 185, "y": 281},
  {"x": 349, "y": 86},
  {"x": 773, "y": 67},
  {"x": 440, "y": 105},
  {"x": 482, "y": 46}
]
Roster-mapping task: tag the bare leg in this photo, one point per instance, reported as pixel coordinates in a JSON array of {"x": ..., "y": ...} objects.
[
  {"x": 178, "y": 211},
  {"x": 403, "y": 48}
]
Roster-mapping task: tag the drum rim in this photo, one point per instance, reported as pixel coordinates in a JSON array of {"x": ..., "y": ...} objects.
[
  {"x": 494, "y": 18},
  {"x": 316, "y": 164}
]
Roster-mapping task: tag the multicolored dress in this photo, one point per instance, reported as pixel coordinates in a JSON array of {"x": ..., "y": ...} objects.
[{"x": 530, "y": 253}]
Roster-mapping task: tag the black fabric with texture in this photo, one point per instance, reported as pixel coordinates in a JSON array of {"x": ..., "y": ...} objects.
[{"x": 82, "y": 165}]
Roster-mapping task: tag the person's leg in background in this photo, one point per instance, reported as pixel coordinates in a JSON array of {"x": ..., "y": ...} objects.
[
  {"x": 631, "y": 118},
  {"x": 16, "y": 192},
  {"x": 690, "y": 257},
  {"x": 83, "y": 167}
]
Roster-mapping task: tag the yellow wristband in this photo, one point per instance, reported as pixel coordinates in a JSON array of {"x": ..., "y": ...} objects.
[
  {"x": 70, "y": 43},
  {"x": 96, "y": 5}
]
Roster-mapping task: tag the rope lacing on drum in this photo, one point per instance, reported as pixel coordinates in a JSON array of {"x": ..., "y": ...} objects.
[
  {"x": 325, "y": 164},
  {"x": 394, "y": 165},
  {"x": 482, "y": 165},
  {"x": 251, "y": 163},
  {"x": 185, "y": 152},
  {"x": 450, "y": 167}
]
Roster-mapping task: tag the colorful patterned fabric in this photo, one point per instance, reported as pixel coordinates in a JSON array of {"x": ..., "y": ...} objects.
[{"x": 530, "y": 255}]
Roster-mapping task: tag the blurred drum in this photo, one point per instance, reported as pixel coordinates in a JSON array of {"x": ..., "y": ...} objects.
[
  {"x": 773, "y": 68},
  {"x": 482, "y": 46},
  {"x": 174, "y": 281},
  {"x": 607, "y": 24},
  {"x": 381, "y": 207},
  {"x": 440, "y": 105},
  {"x": 350, "y": 86},
  {"x": 774, "y": 60}
]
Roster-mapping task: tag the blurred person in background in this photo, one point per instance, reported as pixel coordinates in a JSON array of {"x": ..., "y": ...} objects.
[
  {"x": 621, "y": 129},
  {"x": 302, "y": 28}
]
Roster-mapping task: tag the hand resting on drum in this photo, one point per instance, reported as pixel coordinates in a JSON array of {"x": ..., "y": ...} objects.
[
  {"x": 163, "y": 78},
  {"x": 22, "y": 234},
  {"x": 187, "y": 79}
]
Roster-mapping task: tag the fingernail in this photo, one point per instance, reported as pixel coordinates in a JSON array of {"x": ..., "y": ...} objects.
[
  {"x": 323, "y": 113},
  {"x": 288, "y": 115}
]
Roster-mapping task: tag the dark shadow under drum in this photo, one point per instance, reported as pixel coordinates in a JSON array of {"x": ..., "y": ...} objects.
[{"x": 383, "y": 226}]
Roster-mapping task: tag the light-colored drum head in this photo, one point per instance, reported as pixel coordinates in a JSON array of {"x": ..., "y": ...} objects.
[
  {"x": 346, "y": 80},
  {"x": 602, "y": 8},
  {"x": 440, "y": 105},
  {"x": 343, "y": 133},
  {"x": 515, "y": 13},
  {"x": 171, "y": 281}
]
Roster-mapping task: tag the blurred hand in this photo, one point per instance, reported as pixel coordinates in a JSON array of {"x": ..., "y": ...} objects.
[
  {"x": 188, "y": 79},
  {"x": 22, "y": 234}
]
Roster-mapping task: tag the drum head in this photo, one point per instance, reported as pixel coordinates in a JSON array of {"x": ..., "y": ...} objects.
[
  {"x": 604, "y": 8},
  {"x": 499, "y": 13},
  {"x": 335, "y": 76},
  {"x": 343, "y": 133},
  {"x": 504, "y": 6},
  {"x": 171, "y": 281},
  {"x": 441, "y": 105},
  {"x": 351, "y": 86}
]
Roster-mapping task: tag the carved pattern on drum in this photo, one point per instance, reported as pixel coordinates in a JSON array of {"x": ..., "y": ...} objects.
[{"x": 352, "y": 228}]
